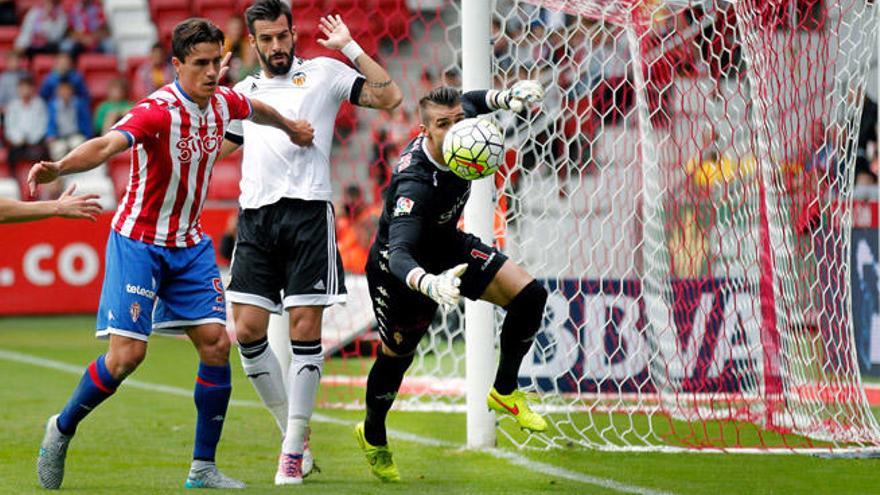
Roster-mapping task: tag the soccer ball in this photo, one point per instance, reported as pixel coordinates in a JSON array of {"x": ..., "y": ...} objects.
[{"x": 472, "y": 148}]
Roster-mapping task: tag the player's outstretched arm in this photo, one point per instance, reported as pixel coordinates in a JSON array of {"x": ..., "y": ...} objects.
[
  {"x": 300, "y": 131},
  {"x": 84, "y": 157},
  {"x": 67, "y": 206},
  {"x": 379, "y": 91},
  {"x": 516, "y": 97}
]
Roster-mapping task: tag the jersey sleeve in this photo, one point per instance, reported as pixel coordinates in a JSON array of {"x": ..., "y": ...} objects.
[
  {"x": 239, "y": 104},
  {"x": 410, "y": 206},
  {"x": 345, "y": 83},
  {"x": 474, "y": 103},
  {"x": 235, "y": 132},
  {"x": 235, "y": 129},
  {"x": 142, "y": 122}
]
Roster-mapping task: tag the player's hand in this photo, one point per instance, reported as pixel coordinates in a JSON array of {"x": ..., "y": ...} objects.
[
  {"x": 523, "y": 92},
  {"x": 42, "y": 173},
  {"x": 336, "y": 32},
  {"x": 224, "y": 66},
  {"x": 443, "y": 288},
  {"x": 83, "y": 206},
  {"x": 300, "y": 132}
]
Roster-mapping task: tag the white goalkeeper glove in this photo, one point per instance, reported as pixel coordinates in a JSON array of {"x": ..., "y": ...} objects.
[
  {"x": 443, "y": 288},
  {"x": 515, "y": 98}
]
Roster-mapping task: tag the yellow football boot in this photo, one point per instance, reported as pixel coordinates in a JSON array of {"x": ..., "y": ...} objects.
[
  {"x": 516, "y": 404},
  {"x": 379, "y": 458}
]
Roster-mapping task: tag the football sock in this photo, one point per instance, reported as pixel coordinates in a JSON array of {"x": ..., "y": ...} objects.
[
  {"x": 95, "y": 385},
  {"x": 213, "y": 389},
  {"x": 384, "y": 381},
  {"x": 263, "y": 370},
  {"x": 524, "y": 314},
  {"x": 303, "y": 378}
]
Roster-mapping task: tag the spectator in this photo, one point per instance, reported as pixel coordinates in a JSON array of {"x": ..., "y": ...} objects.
[
  {"x": 452, "y": 77},
  {"x": 113, "y": 108},
  {"x": 249, "y": 64},
  {"x": 237, "y": 44},
  {"x": 9, "y": 79},
  {"x": 355, "y": 227},
  {"x": 154, "y": 73},
  {"x": 500, "y": 45},
  {"x": 26, "y": 122},
  {"x": 7, "y": 13},
  {"x": 64, "y": 71},
  {"x": 236, "y": 41},
  {"x": 70, "y": 123},
  {"x": 384, "y": 153},
  {"x": 427, "y": 81},
  {"x": 43, "y": 29},
  {"x": 87, "y": 29}
]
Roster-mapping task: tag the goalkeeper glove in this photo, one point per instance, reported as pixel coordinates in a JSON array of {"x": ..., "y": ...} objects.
[
  {"x": 443, "y": 288},
  {"x": 515, "y": 98}
]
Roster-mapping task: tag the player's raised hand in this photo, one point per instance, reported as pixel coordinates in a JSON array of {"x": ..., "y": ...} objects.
[
  {"x": 443, "y": 288},
  {"x": 521, "y": 93},
  {"x": 83, "y": 206},
  {"x": 42, "y": 173},
  {"x": 301, "y": 132},
  {"x": 336, "y": 32},
  {"x": 224, "y": 66}
]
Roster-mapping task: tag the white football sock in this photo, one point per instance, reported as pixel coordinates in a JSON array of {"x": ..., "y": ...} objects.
[
  {"x": 265, "y": 374},
  {"x": 303, "y": 377}
]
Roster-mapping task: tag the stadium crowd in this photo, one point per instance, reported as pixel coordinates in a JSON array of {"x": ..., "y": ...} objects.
[{"x": 61, "y": 83}]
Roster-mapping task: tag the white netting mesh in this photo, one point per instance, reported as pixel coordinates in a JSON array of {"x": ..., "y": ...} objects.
[{"x": 684, "y": 194}]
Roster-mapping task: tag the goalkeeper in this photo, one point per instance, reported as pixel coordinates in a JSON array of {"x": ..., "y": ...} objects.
[{"x": 421, "y": 260}]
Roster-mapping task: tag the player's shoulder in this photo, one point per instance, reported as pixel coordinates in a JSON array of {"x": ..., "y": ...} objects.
[
  {"x": 246, "y": 85},
  {"x": 226, "y": 92},
  {"x": 413, "y": 164},
  {"x": 160, "y": 100},
  {"x": 328, "y": 64}
]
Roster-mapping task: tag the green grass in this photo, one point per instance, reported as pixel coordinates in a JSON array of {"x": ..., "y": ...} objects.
[{"x": 140, "y": 441}]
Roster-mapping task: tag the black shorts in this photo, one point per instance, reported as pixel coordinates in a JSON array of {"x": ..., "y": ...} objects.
[
  {"x": 285, "y": 255},
  {"x": 404, "y": 315}
]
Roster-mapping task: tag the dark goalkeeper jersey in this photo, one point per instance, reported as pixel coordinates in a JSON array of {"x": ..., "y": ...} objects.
[{"x": 422, "y": 206}]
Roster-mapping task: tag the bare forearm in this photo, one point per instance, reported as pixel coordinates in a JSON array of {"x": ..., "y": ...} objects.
[
  {"x": 379, "y": 89},
  {"x": 88, "y": 155},
  {"x": 266, "y": 115},
  {"x": 12, "y": 211},
  {"x": 227, "y": 148}
]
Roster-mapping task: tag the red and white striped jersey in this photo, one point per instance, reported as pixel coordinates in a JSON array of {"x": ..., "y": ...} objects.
[{"x": 174, "y": 145}]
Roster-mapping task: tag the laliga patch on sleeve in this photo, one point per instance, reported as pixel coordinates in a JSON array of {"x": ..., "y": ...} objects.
[{"x": 404, "y": 206}]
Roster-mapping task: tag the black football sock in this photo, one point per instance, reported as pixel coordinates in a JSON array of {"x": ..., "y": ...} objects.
[
  {"x": 384, "y": 381},
  {"x": 524, "y": 314}
]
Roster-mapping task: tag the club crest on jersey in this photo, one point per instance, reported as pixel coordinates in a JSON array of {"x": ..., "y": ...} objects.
[
  {"x": 134, "y": 310},
  {"x": 298, "y": 78},
  {"x": 404, "y": 206}
]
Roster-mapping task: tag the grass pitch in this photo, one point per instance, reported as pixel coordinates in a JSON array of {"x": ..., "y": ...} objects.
[{"x": 140, "y": 440}]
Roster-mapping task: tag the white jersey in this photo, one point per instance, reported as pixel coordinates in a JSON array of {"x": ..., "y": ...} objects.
[{"x": 273, "y": 167}]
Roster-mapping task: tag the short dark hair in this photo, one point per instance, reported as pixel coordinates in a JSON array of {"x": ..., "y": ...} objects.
[
  {"x": 267, "y": 10},
  {"x": 27, "y": 80},
  {"x": 190, "y": 33},
  {"x": 445, "y": 96}
]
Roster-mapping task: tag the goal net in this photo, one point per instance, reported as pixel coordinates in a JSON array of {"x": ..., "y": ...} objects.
[{"x": 684, "y": 194}]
